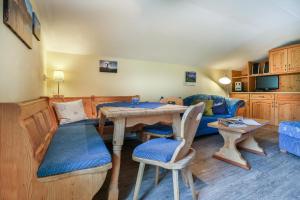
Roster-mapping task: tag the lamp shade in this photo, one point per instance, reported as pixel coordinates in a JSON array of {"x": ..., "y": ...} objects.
[
  {"x": 225, "y": 80},
  {"x": 58, "y": 76}
]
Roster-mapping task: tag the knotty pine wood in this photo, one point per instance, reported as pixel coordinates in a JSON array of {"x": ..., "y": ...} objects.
[{"x": 25, "y": 133}]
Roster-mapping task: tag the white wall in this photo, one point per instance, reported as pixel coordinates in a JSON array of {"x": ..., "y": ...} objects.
[
  {"x": 21, "y": 69},
  {"x": 151, "y": 80}
]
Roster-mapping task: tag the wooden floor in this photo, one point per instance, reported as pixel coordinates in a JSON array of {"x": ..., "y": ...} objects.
[{"x": 275, "y": 176}]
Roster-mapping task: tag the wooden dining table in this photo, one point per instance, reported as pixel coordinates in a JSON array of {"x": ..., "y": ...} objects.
[{"x": 124, "y": 117}]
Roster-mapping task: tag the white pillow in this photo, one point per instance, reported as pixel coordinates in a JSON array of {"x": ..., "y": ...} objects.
[{"x": 68, "y": 112}]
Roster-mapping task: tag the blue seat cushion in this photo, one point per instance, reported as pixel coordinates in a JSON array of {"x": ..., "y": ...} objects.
[
  {"x": 159, "y": 129},
  {"x": 290, "y": 128},
  {"x": 94, "y": 122},
  {"x": 290, "y": 144},
  {"x": 160, "y": 149},
  {"x": 74, "y": 148}
]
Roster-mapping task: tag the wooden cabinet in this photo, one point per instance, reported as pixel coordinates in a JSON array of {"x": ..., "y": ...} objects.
[
  {"x": 294, "y": 59},
  {"x": 287, "y": 111},
  {"x": 278, "y": 61},
  {"x": 263, "y": 109},
  {"x": 274, "y": 107},
  {"x": 244, "y": 111},
  {"x": 287, "y": 107},
  {"x": 262, "y": 96},
  {"x": 285, "y": 59}
]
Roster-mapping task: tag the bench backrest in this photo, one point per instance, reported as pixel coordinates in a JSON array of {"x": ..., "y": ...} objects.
[
  {"x": 91, "y": 102},
  {"x": 39, "y": 121}
]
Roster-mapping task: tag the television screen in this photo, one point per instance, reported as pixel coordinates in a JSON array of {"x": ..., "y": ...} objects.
[{"x": 267, "y": 82}]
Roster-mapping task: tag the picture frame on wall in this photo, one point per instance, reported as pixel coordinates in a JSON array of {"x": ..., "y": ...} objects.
[
  {"x": 190, "y": 78},
  {"x": 108, "y": 66},
  {"x": 17, "y": 16},
  {"x": 36, "y": 27}
]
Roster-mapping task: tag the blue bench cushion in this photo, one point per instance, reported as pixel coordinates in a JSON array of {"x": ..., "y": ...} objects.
[
  {"x": 74, "y": 148},
  {"x": 94, "y": 122},
  {"x": 290, "y": 128},
  {"x": 160, "y": 149},
  {"x": 159, "y": 129}
]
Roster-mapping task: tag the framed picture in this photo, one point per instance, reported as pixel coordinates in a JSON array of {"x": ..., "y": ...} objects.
[
  {"x": 17, "y": 16},
  {"x": 36, "y": 27},
  {"x": 190, "y": 78},
  {"x": 108, "y": 66}
]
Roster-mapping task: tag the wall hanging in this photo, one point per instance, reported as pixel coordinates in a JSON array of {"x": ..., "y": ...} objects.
[
  {"x": 17, "y": 15},
  {"x": 108, "y": 66}
]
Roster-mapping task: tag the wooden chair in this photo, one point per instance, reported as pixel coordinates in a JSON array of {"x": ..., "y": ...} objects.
[
  {"x": 171, "y": 154},
  {"x": 160, "y": 129}
]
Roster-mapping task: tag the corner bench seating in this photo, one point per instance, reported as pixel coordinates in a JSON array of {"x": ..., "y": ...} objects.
[
  {"x": 41, "y": 160},
  {"x": 90, "y": 103}
]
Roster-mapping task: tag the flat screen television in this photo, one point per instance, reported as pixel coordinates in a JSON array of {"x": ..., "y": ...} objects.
[{"x": 266, "y": 83}]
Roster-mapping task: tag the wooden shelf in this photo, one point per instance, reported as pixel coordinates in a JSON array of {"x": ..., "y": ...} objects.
[
  {"x": 267, "y": 74},
  {"x": 272, "y": 74},
  {"x": 239, "y": 77}
]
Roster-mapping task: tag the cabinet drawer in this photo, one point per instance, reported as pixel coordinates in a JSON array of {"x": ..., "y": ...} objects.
[
  {"x": 262, "y": 96},
  {"x": 288, "y": 97},
  {"x": 240, "y": 96}
]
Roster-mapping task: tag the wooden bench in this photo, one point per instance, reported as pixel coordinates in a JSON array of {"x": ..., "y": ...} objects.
[
  {"x": 90, "y": 103},
  {"x": 26, "y": 131}
]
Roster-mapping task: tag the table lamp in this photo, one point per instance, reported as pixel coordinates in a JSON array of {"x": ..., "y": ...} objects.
[
  {"x": 59, "y": 77},
  {"x": 225, "y": 81}
]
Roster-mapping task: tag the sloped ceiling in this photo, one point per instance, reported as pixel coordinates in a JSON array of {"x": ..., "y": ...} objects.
[{"x": 204, "y": 33}]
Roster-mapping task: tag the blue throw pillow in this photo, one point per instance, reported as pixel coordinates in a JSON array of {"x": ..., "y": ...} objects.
[{"x": 220, "y": 107}]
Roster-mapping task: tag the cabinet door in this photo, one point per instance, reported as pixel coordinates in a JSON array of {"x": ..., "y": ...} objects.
[
  {"x": 278, "y": 61},
  {"x": 296, "y": 111},
  {"x": 287, "y": 111},
  {"x": 263, "y": 109},
  {"x": 283, "y": 111},
  {"x": 294, "y": 59},
  {"x": 244, "y": 111}
]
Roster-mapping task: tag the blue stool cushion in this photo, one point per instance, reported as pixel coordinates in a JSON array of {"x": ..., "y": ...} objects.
[
  {"x": 159, "y": 129},
  {"x": 160, "y": 149},
  {"x": 290, "y": 144},
  {"x": 290, "y": 128},
  {"x": 74, "y": 148}
]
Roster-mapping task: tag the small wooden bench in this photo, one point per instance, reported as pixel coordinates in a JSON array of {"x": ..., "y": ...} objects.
[{"x": 27, "y": 132}]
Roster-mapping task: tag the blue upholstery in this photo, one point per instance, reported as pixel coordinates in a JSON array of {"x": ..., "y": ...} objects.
[
  {"x": 159, "y": 129},
  {"x": 220, "y": 107},
  {"x": 290, "y": 128},
  {"x": 74, "y": 148},
  {"x": 232, "y": 107},
  {"x": 94, "y": 122},
  {"x": 160, "y": 149},
  {"x": 289, "y": 136}
]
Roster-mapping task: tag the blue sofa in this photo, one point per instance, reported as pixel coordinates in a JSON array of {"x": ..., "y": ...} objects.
[
  {"x": 289, "y": 137},
  {"x": 232, "y": 107}
]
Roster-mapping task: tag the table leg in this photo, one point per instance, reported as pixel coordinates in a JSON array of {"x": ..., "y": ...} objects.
[
  {"x": 229, "y": 152},
  {"x": 101, "y": 123},
  {"x": 251, "y": 145},
  {"x": 118, "y": 139},
  {"x": 176, "y": 125}
]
